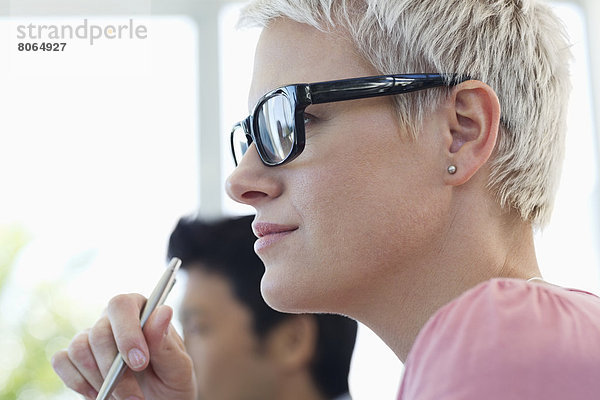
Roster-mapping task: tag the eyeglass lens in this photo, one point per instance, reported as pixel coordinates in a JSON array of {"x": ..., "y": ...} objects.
[
  {"x": 275, "y": 123},
  {"x": 239, "y": 143},
  {"x": 276, "y": 128}
]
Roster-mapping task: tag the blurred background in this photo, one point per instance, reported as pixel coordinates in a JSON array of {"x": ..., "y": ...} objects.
[{"x": 104, "y": 146}]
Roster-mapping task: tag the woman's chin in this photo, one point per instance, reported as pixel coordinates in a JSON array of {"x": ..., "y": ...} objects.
[{"x": 285, "y": 295}]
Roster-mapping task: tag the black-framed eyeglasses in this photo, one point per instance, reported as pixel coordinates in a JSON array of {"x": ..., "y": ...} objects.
[{"x": 276, "y": 124}]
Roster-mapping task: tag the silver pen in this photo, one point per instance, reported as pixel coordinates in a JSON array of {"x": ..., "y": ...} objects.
[{"x": 158, "y": 297}]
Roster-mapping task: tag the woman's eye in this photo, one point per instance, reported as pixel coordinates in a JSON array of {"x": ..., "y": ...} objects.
[{"x": 308, "y": 118}]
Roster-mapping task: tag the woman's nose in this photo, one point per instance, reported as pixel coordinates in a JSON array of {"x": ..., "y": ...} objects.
[{"x": 252, "y": 182}]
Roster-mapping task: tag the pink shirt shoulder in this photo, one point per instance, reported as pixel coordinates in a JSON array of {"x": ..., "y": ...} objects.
[{"x": 508, "y": 339}]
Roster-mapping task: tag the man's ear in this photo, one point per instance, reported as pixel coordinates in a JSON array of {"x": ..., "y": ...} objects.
[
  {"x": 473, "y": 123},
  {"x": 293, "y": 341}
]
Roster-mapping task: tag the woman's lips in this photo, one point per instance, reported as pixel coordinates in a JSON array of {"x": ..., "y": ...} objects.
[{"x": 268, "y": 234}]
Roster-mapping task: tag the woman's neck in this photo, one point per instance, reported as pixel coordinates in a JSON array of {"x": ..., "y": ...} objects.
[{"x": 399, "y": 306}]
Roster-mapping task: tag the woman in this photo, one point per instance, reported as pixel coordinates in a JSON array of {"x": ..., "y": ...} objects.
[{"x": 411, "y": 213}]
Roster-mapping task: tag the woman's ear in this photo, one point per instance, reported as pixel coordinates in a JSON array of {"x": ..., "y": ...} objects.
[{"x": 473, "y": 123}]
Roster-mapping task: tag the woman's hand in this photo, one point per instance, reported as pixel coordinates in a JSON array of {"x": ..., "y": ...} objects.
[{"x": 159, "y": 366}]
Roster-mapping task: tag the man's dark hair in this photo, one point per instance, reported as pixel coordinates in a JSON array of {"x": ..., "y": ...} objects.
[{"x": 226, "y": 247}]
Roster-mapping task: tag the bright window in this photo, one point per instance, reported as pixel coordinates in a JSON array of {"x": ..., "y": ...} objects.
[
  {"x": 569, "y": 249},
  {"x": 95, "y": 170}
]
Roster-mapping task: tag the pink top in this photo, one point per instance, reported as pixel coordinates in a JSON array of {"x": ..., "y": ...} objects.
[{"x": 508, "y": 339}]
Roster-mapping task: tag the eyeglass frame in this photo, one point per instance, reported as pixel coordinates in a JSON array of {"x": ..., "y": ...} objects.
[{"x": 302, "y": 95}]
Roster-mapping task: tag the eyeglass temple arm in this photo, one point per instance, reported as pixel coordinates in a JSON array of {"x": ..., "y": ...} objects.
[{"x": 358, "y": 88}]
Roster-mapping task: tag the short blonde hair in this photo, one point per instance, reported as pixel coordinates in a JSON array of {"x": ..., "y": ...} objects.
[{"x": 518, "y": 47}]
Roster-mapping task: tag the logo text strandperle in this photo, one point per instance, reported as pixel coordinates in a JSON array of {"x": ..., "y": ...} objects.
[{"x": 82, "y": 31}]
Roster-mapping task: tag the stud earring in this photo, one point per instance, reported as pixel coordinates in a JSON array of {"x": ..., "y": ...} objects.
[{"x": 452, "y": 170}]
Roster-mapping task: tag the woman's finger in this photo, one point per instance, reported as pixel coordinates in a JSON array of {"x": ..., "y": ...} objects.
[
  {"x": 71, "y": 376},
  {"x": 81, "y": 356},
  {"x": 102, "y": 344},
  {"x": 124, "y": 316},
  {"x": 170, "y": 362},
  {"x": 104, "y": 349}
]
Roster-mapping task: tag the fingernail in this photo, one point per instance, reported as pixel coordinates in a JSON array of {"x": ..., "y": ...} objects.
[
  {"x": 92, "y": 394},
  {"x": 136, "y": 358}
]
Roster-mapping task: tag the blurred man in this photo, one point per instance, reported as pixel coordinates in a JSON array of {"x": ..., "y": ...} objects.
[{"x": 241, "y": 348}]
